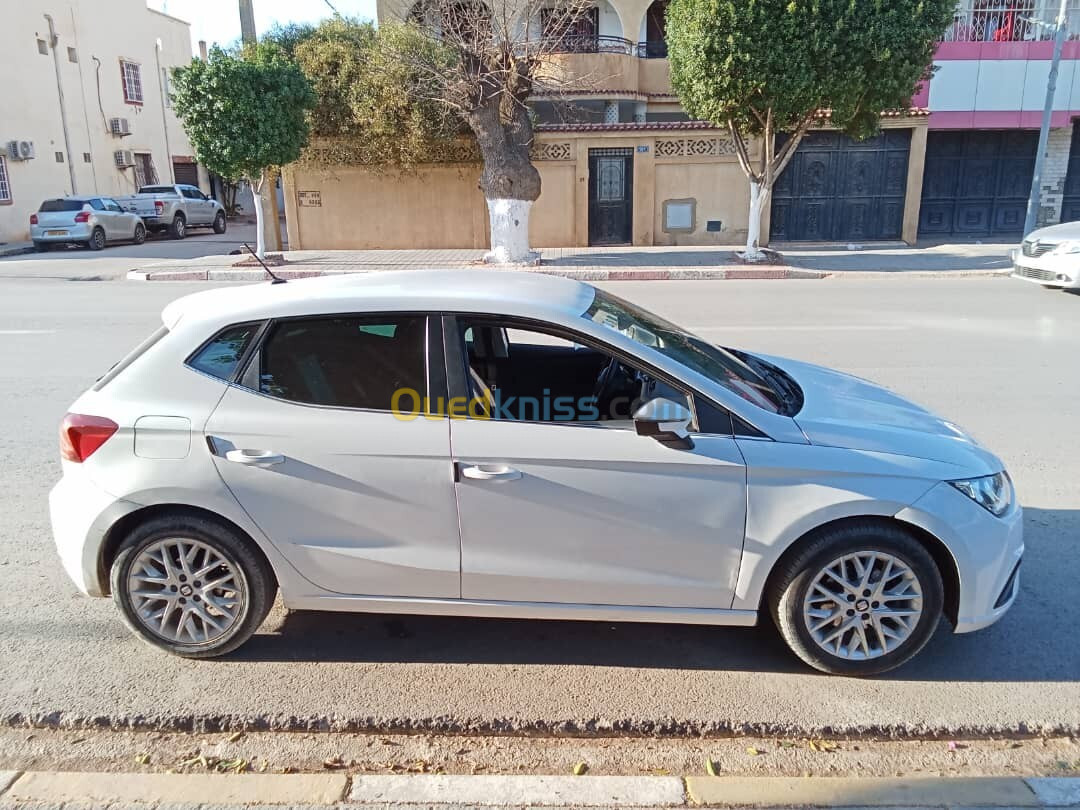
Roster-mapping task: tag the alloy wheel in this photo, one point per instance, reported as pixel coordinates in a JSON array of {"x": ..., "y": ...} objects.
[
  {"x": 863, "y": 605},
  {"x": 186, "y": 592}
]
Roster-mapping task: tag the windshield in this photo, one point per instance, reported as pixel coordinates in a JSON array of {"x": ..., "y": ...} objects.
[{"x": 674, "y": 342}]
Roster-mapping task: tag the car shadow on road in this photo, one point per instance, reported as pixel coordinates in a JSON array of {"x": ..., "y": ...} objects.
[{"x": 1035, "y": 641}]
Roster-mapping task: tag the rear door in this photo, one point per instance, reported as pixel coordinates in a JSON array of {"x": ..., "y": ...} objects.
[
  {"x": 359, "y": 500},
  {"x": 125, "y": 222}
]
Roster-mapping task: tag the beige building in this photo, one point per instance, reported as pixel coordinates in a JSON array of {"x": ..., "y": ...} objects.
[
  {"x": 622, "y": 164},
  {"x": 84, "y": 108}
]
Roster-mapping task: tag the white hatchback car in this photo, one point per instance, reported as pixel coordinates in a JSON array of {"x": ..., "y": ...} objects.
[
  {"x": 1050, "y": 256},
  {"x": 516, "y": 445}
]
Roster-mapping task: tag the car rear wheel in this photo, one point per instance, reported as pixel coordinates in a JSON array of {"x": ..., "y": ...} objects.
[
  {"x": 140, "y": 234},
  {"x": 97, "y": 239},
  {"x": 42, "y": 247},
  {"x": 219, "y": 222},
  {"x": 859, "y": 599},
  {"x": 191, "y": 587},
  {"x": 178, "y": 228}
]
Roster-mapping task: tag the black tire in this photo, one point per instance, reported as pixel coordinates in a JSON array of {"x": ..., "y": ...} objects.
[
  {"x": 219, "y": 222},
  {"x": 178, "y": 227},
  {"x": 790, "y": 583},
  {"x": 140, "y": 234},
  {"x": 97, "y": 239},
  {"x": 42, "y": 247},
  {"x": 248, "y": 561}
]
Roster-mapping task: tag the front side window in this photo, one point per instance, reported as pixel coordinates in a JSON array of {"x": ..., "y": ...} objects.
[
  {"x": 97, "y": 204},
  {"x": 132, "y": 81},
  {"x": 346, "y": 361},
  {"x": 520, "y": 373},
  {"x": 219, "y": 356},
  {"x": 674, "y": 342}
]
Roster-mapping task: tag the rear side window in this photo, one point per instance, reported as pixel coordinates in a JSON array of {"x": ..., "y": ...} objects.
[
  {"x": 220, "y": 355},
  {"x": 52, "y": 206},
  {"x": 345, "y": 362},
  {"x": 97, "y": 205}
]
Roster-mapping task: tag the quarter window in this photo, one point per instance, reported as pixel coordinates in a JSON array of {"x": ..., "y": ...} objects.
[
  {"x": 132, "y": 79},
  {"x": 219, "y": 357},
  {"x": 5, "y": 185},
  {"x": 346, "y": 362}
]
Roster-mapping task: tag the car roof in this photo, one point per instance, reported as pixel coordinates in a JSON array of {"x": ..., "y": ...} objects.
[{"x": 502, "y": 292}]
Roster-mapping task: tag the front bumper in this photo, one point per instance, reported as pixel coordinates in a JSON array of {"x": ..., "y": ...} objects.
[
  {"x": 987, "y": 551},
  {"x": 79, "y": 232},
  {"x": 1049, "y": 269}
]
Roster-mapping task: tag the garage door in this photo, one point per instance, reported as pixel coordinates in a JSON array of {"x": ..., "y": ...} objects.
[
  {"x": 977, "y": 182},
  {"x": 837, "y": 189},
  {"x": 1070, "y": 201},
  {"x": 186, "y": 173}
]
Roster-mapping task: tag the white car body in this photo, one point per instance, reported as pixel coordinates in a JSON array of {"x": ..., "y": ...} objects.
[
  {"x": 365, "y": 514},
  {"x": 1050, "y": 256}
]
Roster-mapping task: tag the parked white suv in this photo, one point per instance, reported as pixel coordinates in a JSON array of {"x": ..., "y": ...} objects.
[{"x": 502, "y": 444}]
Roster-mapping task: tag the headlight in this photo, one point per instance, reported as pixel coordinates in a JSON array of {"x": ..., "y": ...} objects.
[
  {"x": 992, "y": 492},
  {"x": 1067, "y": 247}
]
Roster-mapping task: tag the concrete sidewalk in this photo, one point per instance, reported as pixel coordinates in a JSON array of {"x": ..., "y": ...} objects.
[
  {"x": 443, "y": 792},
  {"x": 617, "y": 263}
]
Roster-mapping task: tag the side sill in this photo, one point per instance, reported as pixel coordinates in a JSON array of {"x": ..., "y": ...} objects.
[{"x": 522, "y": 610}]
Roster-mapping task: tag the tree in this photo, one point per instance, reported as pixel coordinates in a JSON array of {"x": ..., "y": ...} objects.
[
  {"x": 763, "y": 67},
  {"x": 481, "y": 63},
  {"x": 244, "y": 116}
]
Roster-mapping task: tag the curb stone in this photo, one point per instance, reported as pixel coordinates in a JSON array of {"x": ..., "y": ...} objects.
[
  {"x": 165, "y": 791},
  {"x": 581, "y": 274}
]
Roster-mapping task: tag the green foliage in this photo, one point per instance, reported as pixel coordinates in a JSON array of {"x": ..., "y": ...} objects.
[
  {"x": 375, "y": 89},
  {"x": 288, "y": 36},
  {"x": 730, "y": 58},
  {"x": 243, "y": 115}
]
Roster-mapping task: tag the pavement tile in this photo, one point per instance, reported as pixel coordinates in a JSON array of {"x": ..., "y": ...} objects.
[
  {"x": 538, "y": 791},
  {"x": 195, "y": 788},
  {"x": 835, "y": 791},
  {"x": 1057, "y": 791}
]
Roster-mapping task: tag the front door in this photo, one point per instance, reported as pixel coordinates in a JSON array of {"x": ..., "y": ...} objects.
[
  {"x": 358, "y": 500},
  {"x": 611, "y": 196},
  {"x": 587, "y": 511}
]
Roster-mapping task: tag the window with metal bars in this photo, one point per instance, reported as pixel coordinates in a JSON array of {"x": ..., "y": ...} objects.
[
  {"x": 5, "y": 185},
  {"x": 132, "y": 80}
]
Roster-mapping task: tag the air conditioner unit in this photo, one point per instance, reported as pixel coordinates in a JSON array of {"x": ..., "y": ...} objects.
[
  {"x": 124, "y": 158},
  {"x": 20, "y": 150},
  {"x": 119, "y": 126}
]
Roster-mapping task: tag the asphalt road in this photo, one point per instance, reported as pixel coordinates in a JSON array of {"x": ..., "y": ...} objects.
[{"x": 995, "y": 355}]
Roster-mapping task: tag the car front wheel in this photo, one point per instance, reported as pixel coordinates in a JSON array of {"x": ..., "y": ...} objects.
[
  {"x": 859, "y": 599},
  {"x": 191, "y": 587},
  {"x": 140, "y": 234},
  {"x": 219, "y": 222}
]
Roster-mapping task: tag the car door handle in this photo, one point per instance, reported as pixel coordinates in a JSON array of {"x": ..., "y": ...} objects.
[
  {"x": 255, "y": 458},
  {"x": 490, "y": 472}
]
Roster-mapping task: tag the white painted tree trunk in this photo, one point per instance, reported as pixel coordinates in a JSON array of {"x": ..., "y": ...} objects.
[
  {"x": 753, "y": 231},
  {"x": 509, "y": 232},
  {"x": 260, "y": 237}
]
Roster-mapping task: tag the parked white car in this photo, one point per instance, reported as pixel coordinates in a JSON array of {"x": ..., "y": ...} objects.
[
  {"x": 89, "y": 221},
  {"x": 1050, "y": 256},
  {"x": 517, "y": 445}
]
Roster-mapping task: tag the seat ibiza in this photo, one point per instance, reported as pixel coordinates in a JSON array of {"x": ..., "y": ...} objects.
[{"x": 498, "y": 444}]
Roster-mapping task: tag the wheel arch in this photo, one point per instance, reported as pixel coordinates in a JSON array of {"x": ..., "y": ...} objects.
[
  {"x": 124, "y": 525},
  {"x": 939, "y": 552}
]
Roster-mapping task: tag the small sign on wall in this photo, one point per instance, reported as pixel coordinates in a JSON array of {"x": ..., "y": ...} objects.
[
  {"x": 309, "y": 199},
  {"x": 643, "y": 148}
]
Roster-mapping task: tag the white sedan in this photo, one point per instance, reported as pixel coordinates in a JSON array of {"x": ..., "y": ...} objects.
[
  {"x": 501, "y": 444},
  {"x": 1050, "y": 256}
]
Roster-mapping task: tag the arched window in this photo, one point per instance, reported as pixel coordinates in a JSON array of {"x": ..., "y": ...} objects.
[
  {"x": 462, "y": 21},
  {"x": 655, "y": 44}
]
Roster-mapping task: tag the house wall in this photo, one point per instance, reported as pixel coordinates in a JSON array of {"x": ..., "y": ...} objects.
[{"x": 30, "y": 108}]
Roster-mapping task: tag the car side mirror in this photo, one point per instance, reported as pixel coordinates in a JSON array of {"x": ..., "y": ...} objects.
[{"x": 666, "y": 421}]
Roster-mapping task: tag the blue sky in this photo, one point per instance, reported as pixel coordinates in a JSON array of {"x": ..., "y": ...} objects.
[{"x": 219, "y": 20}]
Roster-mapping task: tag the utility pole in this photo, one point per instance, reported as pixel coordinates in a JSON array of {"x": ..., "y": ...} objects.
[
  {"x": 271, "y": 223},
  {"x": 1044, "y": 130}
]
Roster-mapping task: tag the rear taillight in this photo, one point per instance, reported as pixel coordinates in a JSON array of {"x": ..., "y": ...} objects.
[
  {"x": 82, "y": 216},
  {"x": 159, "y": 207},
  {"x": 33, "y": 219},
  {"x": 81, "y": 435}
]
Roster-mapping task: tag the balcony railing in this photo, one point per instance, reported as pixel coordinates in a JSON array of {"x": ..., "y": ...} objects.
[
  {"x": 1009, "y": 21},
  {"x": 653, "y": 49},
  {"x": 586, "y": 43}
]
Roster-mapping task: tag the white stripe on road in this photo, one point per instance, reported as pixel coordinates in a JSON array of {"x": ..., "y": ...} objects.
[{"x": 27, "y": 331}]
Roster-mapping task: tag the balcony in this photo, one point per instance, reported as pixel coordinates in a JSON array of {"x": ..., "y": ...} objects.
[{"x": 1009, "y": 21}]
